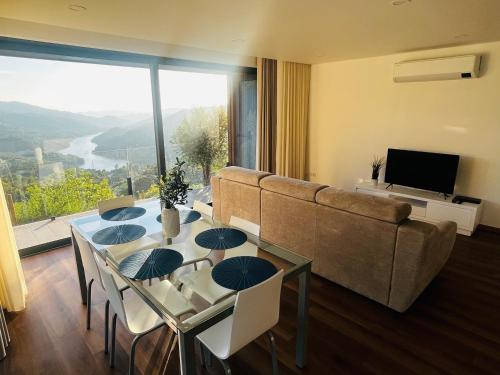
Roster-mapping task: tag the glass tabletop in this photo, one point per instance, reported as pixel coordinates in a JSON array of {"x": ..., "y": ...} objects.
[{"x": 196, "y": 259}]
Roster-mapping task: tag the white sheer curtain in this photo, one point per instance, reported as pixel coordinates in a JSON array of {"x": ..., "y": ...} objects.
[{"x": 12, "y": 284}]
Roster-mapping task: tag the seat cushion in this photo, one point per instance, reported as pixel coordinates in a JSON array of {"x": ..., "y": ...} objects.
[
  {"x": 385, "y": 209},
  {"x": 242, "y": 175},
  {"x": 292, "y": 187}
]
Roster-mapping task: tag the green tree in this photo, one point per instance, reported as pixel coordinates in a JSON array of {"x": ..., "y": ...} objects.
[
  {"x": 202, "y": 140},
  {"x": 71, "y": 194}
]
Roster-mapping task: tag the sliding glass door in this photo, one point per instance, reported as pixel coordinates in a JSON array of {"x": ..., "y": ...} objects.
[
  {"x": 194, "y": 108},
  {"x": 71, "y": 134},
  {"x": 77, "y": 126}
]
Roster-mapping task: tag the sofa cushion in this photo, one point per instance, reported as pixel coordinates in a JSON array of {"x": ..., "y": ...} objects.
[
  {"x": 241, "y": 200},
  {"x": 243, "y": 175},
  {"x": 291, "y": 187},
  {"x": 385, "y": 209},
  {"x": 288, "y": 222}
]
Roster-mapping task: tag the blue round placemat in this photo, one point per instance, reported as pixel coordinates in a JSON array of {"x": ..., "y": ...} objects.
[
  {"x": 185, "y": 216},
  {"x": 123, "y": 213},
  {"x": 149, "y": 264},
  {"x": 220, "y": 238},
  {"x": 119, "y": 234},
  {"x": 243, "y": 272}
]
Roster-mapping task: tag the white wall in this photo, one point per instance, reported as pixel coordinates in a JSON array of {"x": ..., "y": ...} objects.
[{"x": 357, "y": 111}]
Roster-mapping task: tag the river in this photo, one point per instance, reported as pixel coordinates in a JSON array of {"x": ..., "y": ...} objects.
[{"x": 83, "y": 147}]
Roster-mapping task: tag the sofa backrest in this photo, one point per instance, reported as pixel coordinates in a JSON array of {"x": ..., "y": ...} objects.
[
  {"x": 288, "y": 213},
  {"x": 356, "y": 237},
  {"x": 236, "y": 192}
]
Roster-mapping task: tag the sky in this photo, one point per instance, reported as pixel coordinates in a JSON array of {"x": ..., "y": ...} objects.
[{"x": 81, "y": 87}]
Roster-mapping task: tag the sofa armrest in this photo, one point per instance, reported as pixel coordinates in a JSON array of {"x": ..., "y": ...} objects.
[{"x": 422, "y": 250}]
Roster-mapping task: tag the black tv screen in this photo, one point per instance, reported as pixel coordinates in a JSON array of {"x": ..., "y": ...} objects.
[{"x": 422, "y": 170}]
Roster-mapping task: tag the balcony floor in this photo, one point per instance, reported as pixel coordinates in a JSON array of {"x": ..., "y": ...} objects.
[
  {"x": 451, "y": 329},
  {"x": 45, "y": 231}
]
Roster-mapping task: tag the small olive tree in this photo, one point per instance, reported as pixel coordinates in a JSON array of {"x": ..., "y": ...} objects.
[{"x": 202, "y": 140}]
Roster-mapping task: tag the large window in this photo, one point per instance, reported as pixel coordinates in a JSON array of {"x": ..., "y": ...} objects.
[
  {"x": 71, "y": 134},
  {"x": 194, "y": 107},
  {"x": 79, "y": 125}
]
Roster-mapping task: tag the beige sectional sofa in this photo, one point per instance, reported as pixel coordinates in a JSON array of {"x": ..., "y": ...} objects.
[{"x": 365, "y": 243}]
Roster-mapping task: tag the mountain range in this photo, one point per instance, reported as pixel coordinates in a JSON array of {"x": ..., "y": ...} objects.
[{"x": 23, "y": 127}]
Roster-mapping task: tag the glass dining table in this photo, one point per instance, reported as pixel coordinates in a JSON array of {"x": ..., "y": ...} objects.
[{"x": 195, "y": 257}]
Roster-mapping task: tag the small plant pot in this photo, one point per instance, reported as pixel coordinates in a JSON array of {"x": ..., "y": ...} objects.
[
  {"x": 170, "y": 222},
  {"x": 374, "y": 178}
]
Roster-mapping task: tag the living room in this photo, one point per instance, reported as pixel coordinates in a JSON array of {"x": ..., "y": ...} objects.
[{"x": 224, "y": 187}]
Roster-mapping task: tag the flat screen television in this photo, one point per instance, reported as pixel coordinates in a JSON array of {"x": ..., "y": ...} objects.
[{"x": 422, "y": 170}]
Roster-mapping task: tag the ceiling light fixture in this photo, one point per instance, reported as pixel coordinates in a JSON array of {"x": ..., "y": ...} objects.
[
  {"x": 77, "y": 7},
  {"x": 400, "y": 2}
]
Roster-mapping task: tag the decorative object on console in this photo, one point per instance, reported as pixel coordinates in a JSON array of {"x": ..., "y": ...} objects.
[
  {"x": 173, "y": 190},
  {"x": 459, "y": 199},
  {"x": 377, "y": 163}
]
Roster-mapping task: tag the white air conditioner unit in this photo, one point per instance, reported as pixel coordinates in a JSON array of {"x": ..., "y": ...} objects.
[{"x": 458, "y": 67}]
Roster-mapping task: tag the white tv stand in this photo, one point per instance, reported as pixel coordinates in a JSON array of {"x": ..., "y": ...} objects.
[{"x": 429, "y": 206}]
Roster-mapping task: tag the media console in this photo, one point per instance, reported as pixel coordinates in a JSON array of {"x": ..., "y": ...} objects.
[{"x": 429, "y": 206}]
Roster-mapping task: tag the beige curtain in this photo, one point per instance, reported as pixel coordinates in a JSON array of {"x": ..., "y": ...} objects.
[
  {"x": 12, "y": 284},
  {"x": 233, "y": 115},
  {"x": 266, "y": 114},
  {"x": 293, "y": 118}
]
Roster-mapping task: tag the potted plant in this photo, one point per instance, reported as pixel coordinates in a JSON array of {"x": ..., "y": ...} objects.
[
  {"x": 173, "y": 190},
  {"x": 377, "y": 163}
]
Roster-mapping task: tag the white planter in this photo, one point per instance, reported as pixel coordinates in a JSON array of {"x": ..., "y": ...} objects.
[
  {"x": 170, "y": 222},
  {"x": 375, "y": 182}
]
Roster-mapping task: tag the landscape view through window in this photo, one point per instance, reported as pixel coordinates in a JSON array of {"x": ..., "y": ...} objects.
[{"x": 71, "y": 133}]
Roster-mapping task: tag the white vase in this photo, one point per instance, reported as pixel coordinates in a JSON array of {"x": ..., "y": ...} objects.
[{"x": 170, "y": 222}]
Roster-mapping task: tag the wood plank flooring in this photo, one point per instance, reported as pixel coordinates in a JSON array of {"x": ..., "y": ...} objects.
[{"x": 453, "y": 328}]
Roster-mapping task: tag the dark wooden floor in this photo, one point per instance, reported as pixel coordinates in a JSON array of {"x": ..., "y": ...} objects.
[{"x": 453, "y": 328}]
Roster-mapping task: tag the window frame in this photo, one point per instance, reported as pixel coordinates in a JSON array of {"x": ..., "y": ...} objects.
[{"x": 15, "y": 47}]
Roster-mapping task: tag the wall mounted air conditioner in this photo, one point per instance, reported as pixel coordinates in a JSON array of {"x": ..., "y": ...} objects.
[{"x": 458, "y": 67}]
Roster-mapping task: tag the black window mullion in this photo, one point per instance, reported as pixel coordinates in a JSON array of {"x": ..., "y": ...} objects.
[{"x": 158, "y": 120}]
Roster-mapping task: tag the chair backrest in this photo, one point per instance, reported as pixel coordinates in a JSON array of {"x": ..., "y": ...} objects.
[
  {"x": 113, "y": 293},
  {"x": 88, "y": 260},
  {"x": 255, "y": 312},
  {"x": 109, "y": 204},
  {"x": 245, "y": 225},
  {"x": 203, "y": 208}
]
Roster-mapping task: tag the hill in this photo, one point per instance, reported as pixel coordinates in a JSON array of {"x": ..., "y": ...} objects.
[{"x": 24, "y": 127}]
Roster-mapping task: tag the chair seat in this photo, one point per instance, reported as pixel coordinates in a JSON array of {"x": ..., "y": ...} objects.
[
  {"x": 165, "y": 292},
  {"x": 141, "y": 318},
  {"x": 201, "y": 283},
  {"x": 189, "y": 252},
  {"x": 121, "y": 251},
  {"x": 247, "y": 249},
  {"x": 120, "y": 283},
  {"x": 216, "y": 338}
]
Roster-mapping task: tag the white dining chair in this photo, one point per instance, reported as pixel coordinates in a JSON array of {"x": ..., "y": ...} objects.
[
  {"x": 109, "y": 204},
  {"x": 203, "y": 208},
  {"x": 92, "y": 271},
  {"x": 245, "y": 225},
  {"x": 4, "y": 334},
  {"x": 136, "y": 316},
  {"x": 256, "y": 311}
]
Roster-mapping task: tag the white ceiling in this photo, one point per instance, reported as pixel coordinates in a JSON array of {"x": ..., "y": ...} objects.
[{"x": 307, "y": 31}]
